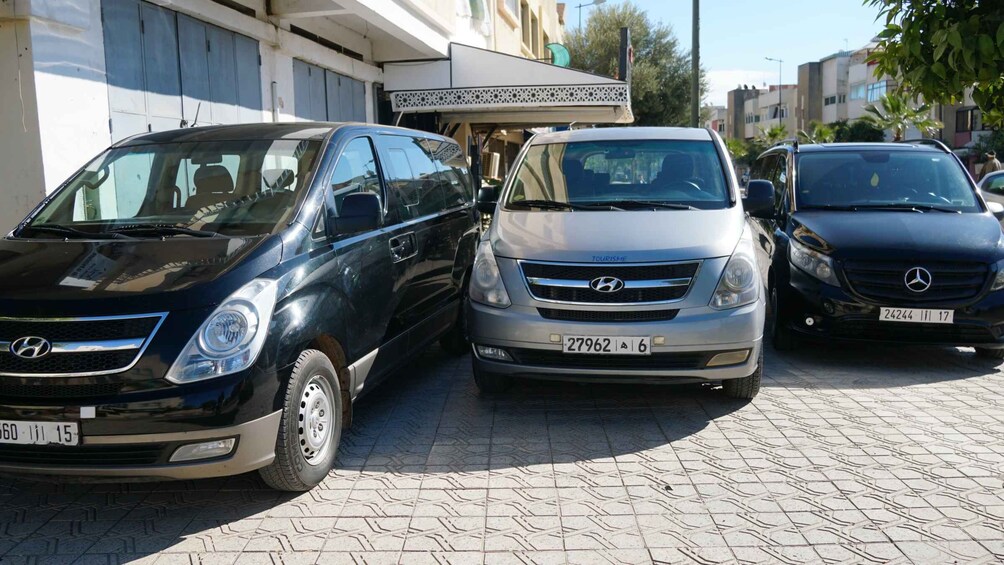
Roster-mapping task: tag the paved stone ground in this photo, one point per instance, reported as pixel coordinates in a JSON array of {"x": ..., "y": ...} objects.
[{"x": 849, "y": 455}]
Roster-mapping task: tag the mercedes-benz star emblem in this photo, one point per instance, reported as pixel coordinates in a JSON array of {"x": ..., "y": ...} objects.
[
  {"x": 31, "y": 347},
  {"x": 918, "y": 279},
  {"x": 606, "y": 284}
]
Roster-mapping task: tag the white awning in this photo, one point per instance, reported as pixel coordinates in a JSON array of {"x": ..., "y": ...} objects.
[{"x": 478, "y": 86}]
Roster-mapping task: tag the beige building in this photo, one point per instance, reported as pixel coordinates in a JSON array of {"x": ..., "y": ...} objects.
[{"x": 768, "y": 107}]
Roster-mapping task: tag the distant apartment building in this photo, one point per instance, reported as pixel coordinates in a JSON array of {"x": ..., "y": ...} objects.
[
  {"x": 767, "y": 107},
  {"x": 715, "y": 118},
  {"x": 833, "y": 72}
]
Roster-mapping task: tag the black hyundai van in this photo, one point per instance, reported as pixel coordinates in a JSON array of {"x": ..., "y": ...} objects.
[
  {"x": 211, "y": 301},
  {"x": 878, "y": 242}
]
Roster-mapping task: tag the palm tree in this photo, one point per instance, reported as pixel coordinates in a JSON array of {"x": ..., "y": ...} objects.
[
  {"x": 898, "y": 115},
  {"x": 818, "y": 132},
  {"x": 772, "y": 135}
]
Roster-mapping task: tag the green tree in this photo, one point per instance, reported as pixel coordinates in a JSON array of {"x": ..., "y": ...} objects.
[
  {"x": 940, "y": 48},
  {"x": 856, "y": 131},
  {"x": 660, "y": 77},
  {"x": 739, "y": 150},
  {"x": 772, "y": 135},
  {"x": 898, "y": 114},
  {"x": 818, "y": 132}
]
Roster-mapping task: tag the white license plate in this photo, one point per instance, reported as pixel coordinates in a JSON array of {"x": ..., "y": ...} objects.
[
  {"x": 39, "y": 433},
  {"x": 917, "y": 315},
  {"x": 606, "y": 345}
]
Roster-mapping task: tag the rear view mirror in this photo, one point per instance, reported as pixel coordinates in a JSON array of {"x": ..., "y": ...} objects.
[
  {"x": 759, "y": 199},
  {"x": 488, "y": 197},
  {"x": 997, "y": 209},
  {"x": 93, "y": 179},
  {"x": 361, "y": 211}
]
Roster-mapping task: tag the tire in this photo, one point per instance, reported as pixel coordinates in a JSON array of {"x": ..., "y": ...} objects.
[
  {"x": 746, "y": 387},
  {"x": 454, "y": 341},
  {"x": 987, "y": 353},
  {"x": 490, "y": 383},
  {"x": 305, "y": 454},
  {"x": 782, "y": 337}
]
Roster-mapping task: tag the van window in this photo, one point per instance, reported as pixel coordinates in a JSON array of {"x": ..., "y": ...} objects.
[
  {"x": 622, "y": 173},
  {"x": 453, "y": 173},
  {"x": 218, "y": 186},
  {"x": 412, "y": 177},
  {"x": 356, "y": 171}
]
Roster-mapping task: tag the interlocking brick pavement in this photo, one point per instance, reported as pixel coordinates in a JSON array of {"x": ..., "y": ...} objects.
[{"x": 850, "y": 454}]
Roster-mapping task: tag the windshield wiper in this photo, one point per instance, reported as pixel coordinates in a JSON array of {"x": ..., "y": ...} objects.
[
  {"x": 555, "y": 205},
  {"x": 162, "y": 230},
  {"x": 653, "y": 204},
  {"x": 71, "y": 233},
  {"x": 906, "y": 207}
]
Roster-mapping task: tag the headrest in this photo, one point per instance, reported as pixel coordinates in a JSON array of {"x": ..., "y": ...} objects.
[
  {"x": 677, "y": 165},
  {"x": 213, "y": 179}
]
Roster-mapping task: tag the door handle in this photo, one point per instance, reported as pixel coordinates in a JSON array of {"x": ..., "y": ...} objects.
[{"x": 402, "y": 247}]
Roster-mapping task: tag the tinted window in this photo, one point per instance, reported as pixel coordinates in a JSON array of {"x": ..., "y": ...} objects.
[
  {"x": 356, "y": 171},
  {"x": 877, "y": 178},
  {"x": 413, "y": 178},
  {"x": 220, "y": 186},
  {"x": 454, "y": 176},
  {"x": 599, "y": 172}
]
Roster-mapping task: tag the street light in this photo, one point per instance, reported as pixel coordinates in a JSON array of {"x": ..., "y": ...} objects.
[
  {"x": 778, "y": 61},
  {"x": 580, "y": 6}
]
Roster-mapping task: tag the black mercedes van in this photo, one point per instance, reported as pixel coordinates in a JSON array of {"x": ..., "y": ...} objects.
[
  {"x": 878, "y": 242},
  {"x": 211, "y": 301}
]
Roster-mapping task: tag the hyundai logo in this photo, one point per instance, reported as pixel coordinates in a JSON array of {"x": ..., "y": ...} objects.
[
  {"x": 918, "y": 279},
  {"x": 606, "y": 284},
  {"x": 31, "y": 347}
]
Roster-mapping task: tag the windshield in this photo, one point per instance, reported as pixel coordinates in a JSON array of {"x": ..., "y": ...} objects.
[
  {"x": 598, "y": 175},
  {"x": 876, "y": 178},
  {"x": 173, "y": 189}
]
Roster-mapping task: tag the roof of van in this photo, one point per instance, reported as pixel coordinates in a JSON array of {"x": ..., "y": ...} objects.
[
  {"x": 242, "y": 132},
  {"x": 623, "y": 134}
]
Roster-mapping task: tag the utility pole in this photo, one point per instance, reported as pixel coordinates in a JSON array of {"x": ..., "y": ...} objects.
[
  {"x": 695, "y": 68},
  {"x": 778, "y": 61}
]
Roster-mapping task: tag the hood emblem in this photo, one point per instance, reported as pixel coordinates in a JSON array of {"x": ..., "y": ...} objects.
[
  {"x": 606, "y": 284},
  {"x": 918, "y": 279},
  {"x": 31, "y": 347}
]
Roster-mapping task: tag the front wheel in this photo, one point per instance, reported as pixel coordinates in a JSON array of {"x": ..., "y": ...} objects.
[
  {"x": 781, "y": 335},
  {"x": 988, "y": 353},
  {"x": 490, "y": 383},
  {"x": 746, "y": 387},
  {"x": 311, "y": 426}
]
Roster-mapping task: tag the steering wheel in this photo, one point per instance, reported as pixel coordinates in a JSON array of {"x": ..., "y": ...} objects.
[{"x": 684, "y": 185}]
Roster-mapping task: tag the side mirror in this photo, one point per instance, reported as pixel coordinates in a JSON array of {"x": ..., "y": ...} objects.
[
  {"x": 361, "y": 211},
  {"x": 488, "y": 197},
  {"x": 759, "y": 200},
  {"x": 997, "y": 209}
]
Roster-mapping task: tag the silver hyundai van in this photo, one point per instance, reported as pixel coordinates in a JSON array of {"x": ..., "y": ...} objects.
[{"x": 619, "y": 255}]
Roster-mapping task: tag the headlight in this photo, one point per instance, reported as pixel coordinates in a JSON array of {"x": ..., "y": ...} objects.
[
  {"x": 231, "y": 338},
  {"x": 739, "y": 284},
  {"x": 486, "y": 281},
  {"x": 814, "y": 263},
  {"x": 999, "y": 279}
]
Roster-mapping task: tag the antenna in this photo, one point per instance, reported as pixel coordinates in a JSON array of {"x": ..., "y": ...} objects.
[{"x": 196, "y": 119}]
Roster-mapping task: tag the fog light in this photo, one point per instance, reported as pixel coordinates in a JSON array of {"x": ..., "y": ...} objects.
[
  {"x": 828, "y": 307},
  {"x": 729, "y": 358},
  {"x": 659, "y": 340},
  {"x": 493, "y": 353},
  {"x": 204, "y": 450}
]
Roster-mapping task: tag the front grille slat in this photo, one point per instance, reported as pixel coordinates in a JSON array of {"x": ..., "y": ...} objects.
[
  {"x": 607, "y": 316},
  {"x": 10, "y": 389},
  {"x": 950, "y": 281},
  {"x": 875, "y": 330},
  {"x": 96, "y": 332},
  {"x": 84, "y": 455},
  {"x": 655, "y": 361},
  {"x": 626, "y": 273}
]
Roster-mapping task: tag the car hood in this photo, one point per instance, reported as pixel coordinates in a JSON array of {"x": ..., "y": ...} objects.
[
  {"x": 894, "y": 235},
  {"x": 614, "y": 237},
  {"x": 51, "y": 277}
]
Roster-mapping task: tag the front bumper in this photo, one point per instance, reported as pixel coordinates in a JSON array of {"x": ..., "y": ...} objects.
[
  {"x": 680, "y": 351},
  {"x": 842, "y": 315},
  {"x": 135, "y": 433}
]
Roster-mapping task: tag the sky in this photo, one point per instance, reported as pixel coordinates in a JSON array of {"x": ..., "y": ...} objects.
[{"x": 736, "y": 35}]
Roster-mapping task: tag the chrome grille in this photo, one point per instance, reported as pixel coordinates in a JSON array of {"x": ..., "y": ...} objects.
[
  {"x": 78, "y": 346},
  {"x": 885, "y": 280},
  {"x": 647, "y": 283}
]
